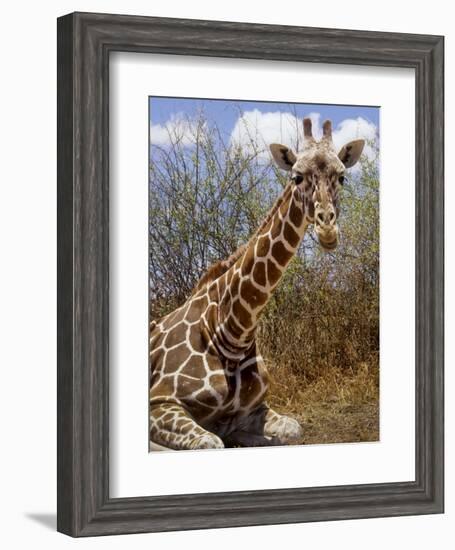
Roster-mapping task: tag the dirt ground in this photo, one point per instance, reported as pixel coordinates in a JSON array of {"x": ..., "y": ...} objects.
[
  {"x": 335, "y": 423},
  {"x": 336, "y": 408}
]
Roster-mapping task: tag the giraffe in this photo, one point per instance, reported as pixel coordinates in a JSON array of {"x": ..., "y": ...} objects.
[{"x": 208, "y": 381}]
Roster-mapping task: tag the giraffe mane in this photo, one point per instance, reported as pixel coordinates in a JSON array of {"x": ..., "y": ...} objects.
[{"x": 220, "y": 267}]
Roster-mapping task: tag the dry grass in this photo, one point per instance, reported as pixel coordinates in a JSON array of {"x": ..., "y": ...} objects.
[
  {"x": 321, "y": 347},
  {"x": 338, "y": 406}
]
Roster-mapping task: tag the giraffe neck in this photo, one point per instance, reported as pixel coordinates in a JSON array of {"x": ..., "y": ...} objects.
[{"x": 247, "y": 286}]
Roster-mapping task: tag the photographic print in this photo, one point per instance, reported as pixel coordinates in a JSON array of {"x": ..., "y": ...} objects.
[{"x": 264, "y": 273}]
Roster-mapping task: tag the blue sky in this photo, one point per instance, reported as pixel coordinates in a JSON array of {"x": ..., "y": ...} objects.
[
  {"x": 225, "y": 112},
  {"x": 242, "y": 123}
]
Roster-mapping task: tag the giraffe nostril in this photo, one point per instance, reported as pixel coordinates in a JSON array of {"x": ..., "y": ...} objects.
[
  {"x": 320, "y": 218},
  {"x": 331, "y": 217}
]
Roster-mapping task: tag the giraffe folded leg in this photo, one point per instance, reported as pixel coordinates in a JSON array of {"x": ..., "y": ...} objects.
[
  {"x": 172, "y": 427},
  {"x": 264, "y": 426}
]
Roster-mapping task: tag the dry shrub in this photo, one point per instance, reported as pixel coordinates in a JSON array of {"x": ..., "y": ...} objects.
[{"x": 320, "y": 340}]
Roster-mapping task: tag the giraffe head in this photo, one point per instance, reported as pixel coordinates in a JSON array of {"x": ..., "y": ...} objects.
[{"x": 318, "y": 171}]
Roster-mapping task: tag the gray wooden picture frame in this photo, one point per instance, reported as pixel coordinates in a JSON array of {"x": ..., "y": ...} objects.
[{"x": 85, "y": 41}]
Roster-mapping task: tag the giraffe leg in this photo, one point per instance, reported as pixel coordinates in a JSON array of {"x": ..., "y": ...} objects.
[
  {"x": 172, "y": 427},
  {"x": 264, "y": 426},
  {"x": 284, "y": 429}
]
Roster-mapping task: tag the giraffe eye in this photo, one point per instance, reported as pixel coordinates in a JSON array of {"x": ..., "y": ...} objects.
[
  {"x": 297, "y": 178},
  {"x": 341, "y": 179}
]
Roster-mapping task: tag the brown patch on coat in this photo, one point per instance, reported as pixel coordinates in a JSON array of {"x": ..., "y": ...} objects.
[
  {"x": 155, "y": 375},
  {"x": 281, "y": 254},
  {"x": 167, "y": 418},
  {"x": 206, "y": 397},
  {"x": 225, "y": 303},
  {"x": 250, "y": 385},
  {"x": 175, "y": 357},
  {"x": 276, "y": 229},
  {"x": 221, "y": 284},
  {"x": 229, "y": 276},
  {"x": 248, "y": 261},
  {"x": 219, "y": 383},
  {"x": 187, "y": 386},
  {"x": 252, "y": 295},
  {"x": 233, "y": 327},
  {"x": 285, "y": 207},
  {"x": 242, "y": 315},
  {"x": 273, "y": 273},
  {"x": 156, "y": 357},
  {"x": 235, "y": 284},
  {"x": 175, "y": 317},
  {"x": 211, "y": 317},
  {"x": 195, "y": 368},
  {"x": 263, "y": 246},
  {"x": 296, "y": 214},
  {"x": 164, "y": 387},
  {"x": 259, "y": 273},
  {"x": 182, "y": 424},
  {"x": 213, "y": 293},
  {"x": 310, "y": 209},
  {"x": 214, "y": 362},
  {"x": 197, "y": 341},
  {"x": 197, "y": 410},
  {"x": 156, "y": 336},
  {"x": 290, "y": 235},
  {"x": 212, "y": 273},
  {"x": 266, "y": 227},
  {"x": 175, "y": 336}
]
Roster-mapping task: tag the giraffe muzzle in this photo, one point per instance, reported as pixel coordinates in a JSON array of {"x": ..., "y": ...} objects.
[
  {"x": 326, "y": 228},
  {"x": 328, "y": 242}
]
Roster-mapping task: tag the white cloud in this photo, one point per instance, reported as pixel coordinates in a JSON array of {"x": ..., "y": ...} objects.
[
  {"x": 264, "y": 128},
  {"x": 357, "y": 128},
  {"x": 285, "y": 128},
  {"x": 177, "y": 128}
]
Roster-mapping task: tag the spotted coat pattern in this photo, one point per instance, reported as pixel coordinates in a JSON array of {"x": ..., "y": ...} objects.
[{"x": 208, "y": 381}]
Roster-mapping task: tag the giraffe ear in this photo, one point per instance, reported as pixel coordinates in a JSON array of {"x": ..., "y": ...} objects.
[
  {"x": 350, "y": 153},
  {"x": 283, "y": 156}
]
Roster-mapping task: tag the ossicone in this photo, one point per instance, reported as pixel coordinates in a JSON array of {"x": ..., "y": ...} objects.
[
  {"x": 327, "y": 130},
  {"x": 307, "y": 128}
]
